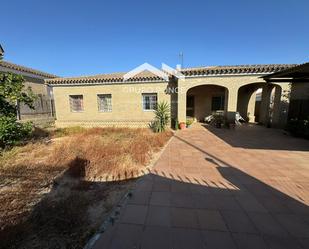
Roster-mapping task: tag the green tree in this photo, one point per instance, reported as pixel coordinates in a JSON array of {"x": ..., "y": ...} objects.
[{"x": 13, "y": 93}]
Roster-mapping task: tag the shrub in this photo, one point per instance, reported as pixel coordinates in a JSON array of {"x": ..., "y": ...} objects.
[
  {"x": 162, "y": 117},
  {"x": 189, "y": 122},
  {"x": 12, "y": 132},
  {"x": 298, "y": 128},
  {"x": 12, "y": 92}
]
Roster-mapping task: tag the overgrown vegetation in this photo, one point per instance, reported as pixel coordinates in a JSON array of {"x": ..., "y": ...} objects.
[
  {"x": 12, "y": 93},
  {"x": 162, "y": 117},
  {"x": 56, "y": 194},
  {"x": 298, "y": 128}
]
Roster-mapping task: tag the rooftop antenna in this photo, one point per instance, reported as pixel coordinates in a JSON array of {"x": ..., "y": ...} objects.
[{"x": 181, "y": 58}]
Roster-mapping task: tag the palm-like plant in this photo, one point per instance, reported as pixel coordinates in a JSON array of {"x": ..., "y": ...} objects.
[{"x": 162, "y": 117}]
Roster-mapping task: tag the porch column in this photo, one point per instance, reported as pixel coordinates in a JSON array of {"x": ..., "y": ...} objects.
[
  {"x": 265, "y": 102},
  {"x": 251, "y": 107},
  {"x": 281, "y": 105},
  {"x": 231, "y": 104},
  {"x": 182, "y": 102}
]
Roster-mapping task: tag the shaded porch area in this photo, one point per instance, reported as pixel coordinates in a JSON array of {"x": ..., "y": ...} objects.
[{"x": 204, "y": 100}]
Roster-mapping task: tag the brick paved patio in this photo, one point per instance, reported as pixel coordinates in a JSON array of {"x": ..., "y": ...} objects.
[{"x": 220, "y": 189}]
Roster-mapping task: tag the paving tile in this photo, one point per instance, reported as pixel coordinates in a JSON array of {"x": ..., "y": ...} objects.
[
  {"x": 199, "y": 189},
  {"x": 210, "y": 219},
  {"x": 145, "y": 185},
  {"x": 162, "y": 186},
  {"x": 160, "y": 198},
  {"x": 135, "y": 214},
  {"x": 105, "y": 238},
  {"x": 140, "y": 197},
  {"x": 249, "y": 241},
  {"x": 187, "y": 238},
  {"x": 159, "y": 216},
  {"x": 304, "y": 243},
  {"x": 273, "y": 205},
  {"x": 127, "y": 236},
  {"x": 156, "y": 237},
  {"x": 227, "y": 203},
  {"x": 297, "y": 207},
  {"x": 267, "y": 225},
  {"x": 294, "y": 225},
  {"x": 184, "y": 217},
  {"x": 218, "y": 240},
  {"x": 204, "y": 201},
  {"x": 253, "y": 191},
  {"x": 259, "y": 189},
  {"x": 181, "y": 199},
  {"x": 238, "y": 221},
  {"x": 250, "y": 204},
  {"x": 220, "y": 192},
  {"x": 180, "y": 187},
  {"x": 274, "y": 242}
]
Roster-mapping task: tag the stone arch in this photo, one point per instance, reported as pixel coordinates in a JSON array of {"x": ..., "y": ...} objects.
[
  {"x": 247, "y": 103},
  {"x": 204, "y": 99},
  {"x": 259, "y": 106}
]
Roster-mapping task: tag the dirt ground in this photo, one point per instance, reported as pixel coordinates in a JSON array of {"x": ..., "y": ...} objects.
[{"x": 55, "y": 193}]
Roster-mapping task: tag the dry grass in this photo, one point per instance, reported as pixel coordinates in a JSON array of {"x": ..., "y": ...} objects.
[{"x": 41, "y": 184}]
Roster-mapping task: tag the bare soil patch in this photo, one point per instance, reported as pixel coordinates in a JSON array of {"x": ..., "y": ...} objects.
[{"x": 55, "y": 194}]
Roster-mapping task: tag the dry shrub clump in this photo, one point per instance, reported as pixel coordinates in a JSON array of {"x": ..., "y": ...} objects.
[
  {"x": 42, "y": 184},
  {"x": 114, "y": 151}
]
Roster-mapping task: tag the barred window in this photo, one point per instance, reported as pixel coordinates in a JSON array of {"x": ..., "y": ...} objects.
[
  {"x": 149, "y": 101},
  {"x": 104, "y": 102},
  {"x": 76, "y": 103}
]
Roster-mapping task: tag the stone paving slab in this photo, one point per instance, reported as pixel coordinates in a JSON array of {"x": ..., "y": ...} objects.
[{"x": 216, "y": 188}]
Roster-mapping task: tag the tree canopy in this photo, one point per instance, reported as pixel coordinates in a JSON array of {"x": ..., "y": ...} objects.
[{"x": 12, "y": 92}]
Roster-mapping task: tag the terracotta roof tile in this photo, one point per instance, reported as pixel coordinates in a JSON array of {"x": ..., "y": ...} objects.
[
  {"x": 105, "y": 78},
  {"x": 20, "y": 68},
  {"x": 148, "y": 76},
  {"x": 238, "y": 69}
]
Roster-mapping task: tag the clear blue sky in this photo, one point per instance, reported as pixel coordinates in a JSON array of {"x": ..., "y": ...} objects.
[{"x": 90, "y": 37}]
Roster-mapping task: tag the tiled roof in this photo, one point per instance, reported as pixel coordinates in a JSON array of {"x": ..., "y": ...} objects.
[
  {"x": 16, "y": 67},
  {"x": 299, "y": 71},
  {"x": 239, "y": 69},
  {"x": 148, "y": 76},
  {"x": 105, "y": 78}
]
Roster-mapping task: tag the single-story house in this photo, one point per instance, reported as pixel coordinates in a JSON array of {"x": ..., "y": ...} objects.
[
  {"x": 112, "y": 100},
  {"x": 44, "y": 107}
]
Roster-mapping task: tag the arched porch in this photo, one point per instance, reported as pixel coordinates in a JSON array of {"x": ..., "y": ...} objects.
[
  {"x": 203, "y": 100},
  {"x": 263, "y": 103}
]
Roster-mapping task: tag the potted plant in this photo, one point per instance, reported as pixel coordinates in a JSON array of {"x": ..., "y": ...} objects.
[
  {"x": 182, "y": 125},
  {"x": 189, "y": 122}
]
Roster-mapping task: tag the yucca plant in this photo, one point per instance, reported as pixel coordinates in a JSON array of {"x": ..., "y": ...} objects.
[{"x": 162, "y": 117}]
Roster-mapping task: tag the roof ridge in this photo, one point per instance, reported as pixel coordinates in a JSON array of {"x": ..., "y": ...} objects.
[
  {"x": 17, "y": 67},
  {"x": 236, "y": 66},
  {"x": 89, "y": 76}
]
